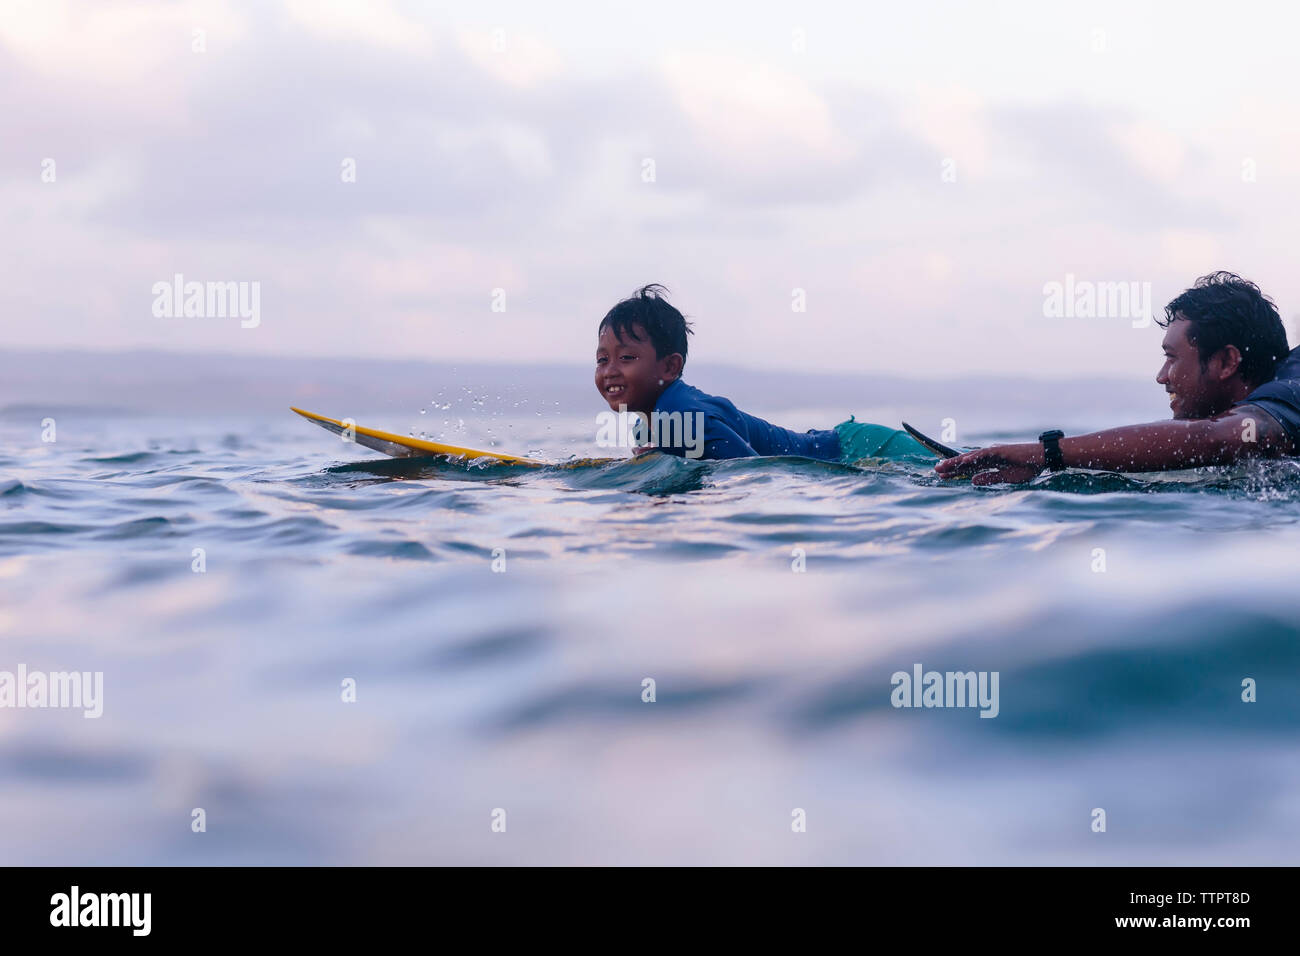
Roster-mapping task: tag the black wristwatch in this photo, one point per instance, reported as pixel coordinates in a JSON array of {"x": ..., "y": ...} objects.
[{"x": 1052, "y": 456}]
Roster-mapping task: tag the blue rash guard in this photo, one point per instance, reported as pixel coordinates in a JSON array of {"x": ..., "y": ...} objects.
[
  {"x": 730, "y": 433},
  {"x": 1281, "y": 397}
]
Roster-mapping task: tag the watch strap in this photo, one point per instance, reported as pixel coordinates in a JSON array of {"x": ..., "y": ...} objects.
[{"x": 1052, "y": 456}]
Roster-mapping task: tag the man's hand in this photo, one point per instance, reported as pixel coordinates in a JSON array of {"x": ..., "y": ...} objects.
[{"x": 997, "y": 464}]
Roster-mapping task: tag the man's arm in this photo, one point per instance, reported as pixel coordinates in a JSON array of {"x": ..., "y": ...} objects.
[{"x": 1244, "y": 431}]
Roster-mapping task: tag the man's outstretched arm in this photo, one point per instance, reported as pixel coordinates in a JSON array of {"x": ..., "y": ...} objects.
[{"x": 1244, "y": 431}]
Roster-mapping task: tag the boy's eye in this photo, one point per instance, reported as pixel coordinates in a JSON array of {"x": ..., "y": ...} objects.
[{"x": 629, "y": 358}]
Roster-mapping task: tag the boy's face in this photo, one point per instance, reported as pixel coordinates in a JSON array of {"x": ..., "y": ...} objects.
[{"x": 628, "y": 372}]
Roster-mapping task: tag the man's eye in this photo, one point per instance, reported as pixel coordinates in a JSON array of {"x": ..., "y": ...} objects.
[{"x": 629, "y": 358}]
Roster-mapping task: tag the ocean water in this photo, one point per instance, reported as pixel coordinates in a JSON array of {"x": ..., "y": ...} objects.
[{"x": 229, "y": 576}]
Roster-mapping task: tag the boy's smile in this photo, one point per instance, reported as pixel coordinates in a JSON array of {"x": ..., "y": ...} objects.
[{"x": 629, "y": 374}]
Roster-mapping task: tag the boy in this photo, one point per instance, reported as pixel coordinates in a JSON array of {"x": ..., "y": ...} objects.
[{"x": 639, "y": 358}]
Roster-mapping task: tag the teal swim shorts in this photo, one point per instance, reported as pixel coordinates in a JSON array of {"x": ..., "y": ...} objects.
[{"x": 860, "y": 440}]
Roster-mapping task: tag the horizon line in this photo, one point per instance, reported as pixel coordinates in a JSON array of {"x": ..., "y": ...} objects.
[{"x": 481, "y": 363}]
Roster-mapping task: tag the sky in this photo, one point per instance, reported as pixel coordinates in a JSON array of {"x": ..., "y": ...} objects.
[{"x": 915, "y": 175}]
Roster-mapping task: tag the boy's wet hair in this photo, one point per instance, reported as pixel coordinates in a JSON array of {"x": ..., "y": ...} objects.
[
  {"x": 1225, "y": 309},
  {"x": 666, "y": 327}
]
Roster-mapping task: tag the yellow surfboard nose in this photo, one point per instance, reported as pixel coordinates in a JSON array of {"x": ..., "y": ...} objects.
[{"x": 401, "y": 446}]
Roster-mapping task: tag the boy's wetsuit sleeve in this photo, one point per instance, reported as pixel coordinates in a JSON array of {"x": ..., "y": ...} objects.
[
  {"x": 726, "y": 432},
  {"x": 722, "y": 442},
  {"x": 1281, "y": 397}
]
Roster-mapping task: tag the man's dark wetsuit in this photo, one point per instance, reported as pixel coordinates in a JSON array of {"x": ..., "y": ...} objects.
[{"x": 1281, "y": 397}]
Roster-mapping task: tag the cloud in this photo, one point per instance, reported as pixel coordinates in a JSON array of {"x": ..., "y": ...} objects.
[
  {"x": 745, "y": 133},
  {"x": 519, "y": 60},
  {"x": 374, "y": 22},
  {"x": 1100, "y": 163},
  {"x": 486, "y": 160}
]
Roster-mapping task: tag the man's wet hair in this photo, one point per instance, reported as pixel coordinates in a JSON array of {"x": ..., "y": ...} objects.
[
  {"x": 1225, "y": 309},
  {"x": 647, "y": 308}
]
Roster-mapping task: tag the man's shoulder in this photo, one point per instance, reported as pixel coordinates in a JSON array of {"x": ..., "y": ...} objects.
[
  {"x": 1289, "y": 370},
  {"x": 1287, "y": 373},
  {"x": 1274, "y": 424},
  {"x": 1284, "y": 386}
]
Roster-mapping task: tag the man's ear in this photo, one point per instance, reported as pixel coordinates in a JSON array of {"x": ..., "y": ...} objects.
[
  {"x": 1231, "y": 361},
  {"x": 673, "y": 366}
]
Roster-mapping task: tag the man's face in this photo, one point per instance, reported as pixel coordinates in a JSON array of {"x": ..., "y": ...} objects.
[
  {"x": 1194, "y": 392},
  {"x": 628, "y": 372}
]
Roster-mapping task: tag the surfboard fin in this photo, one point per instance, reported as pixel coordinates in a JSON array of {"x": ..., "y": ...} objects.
[{"x": 938, "y": 448}]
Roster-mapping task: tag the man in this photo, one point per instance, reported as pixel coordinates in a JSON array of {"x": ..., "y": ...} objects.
[{"x": 1233, "y": 389}]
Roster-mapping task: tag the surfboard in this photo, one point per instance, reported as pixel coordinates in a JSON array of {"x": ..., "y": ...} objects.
[{"x": 402, "y": 446}]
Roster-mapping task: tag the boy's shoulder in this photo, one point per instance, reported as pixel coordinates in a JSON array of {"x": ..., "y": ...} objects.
[{"x": 680, "y": 397}]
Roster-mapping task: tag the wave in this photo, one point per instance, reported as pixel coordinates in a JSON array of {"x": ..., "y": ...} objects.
[
  {"x": 660, "y": 474},
  {"x": 651, "y": 474}
]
